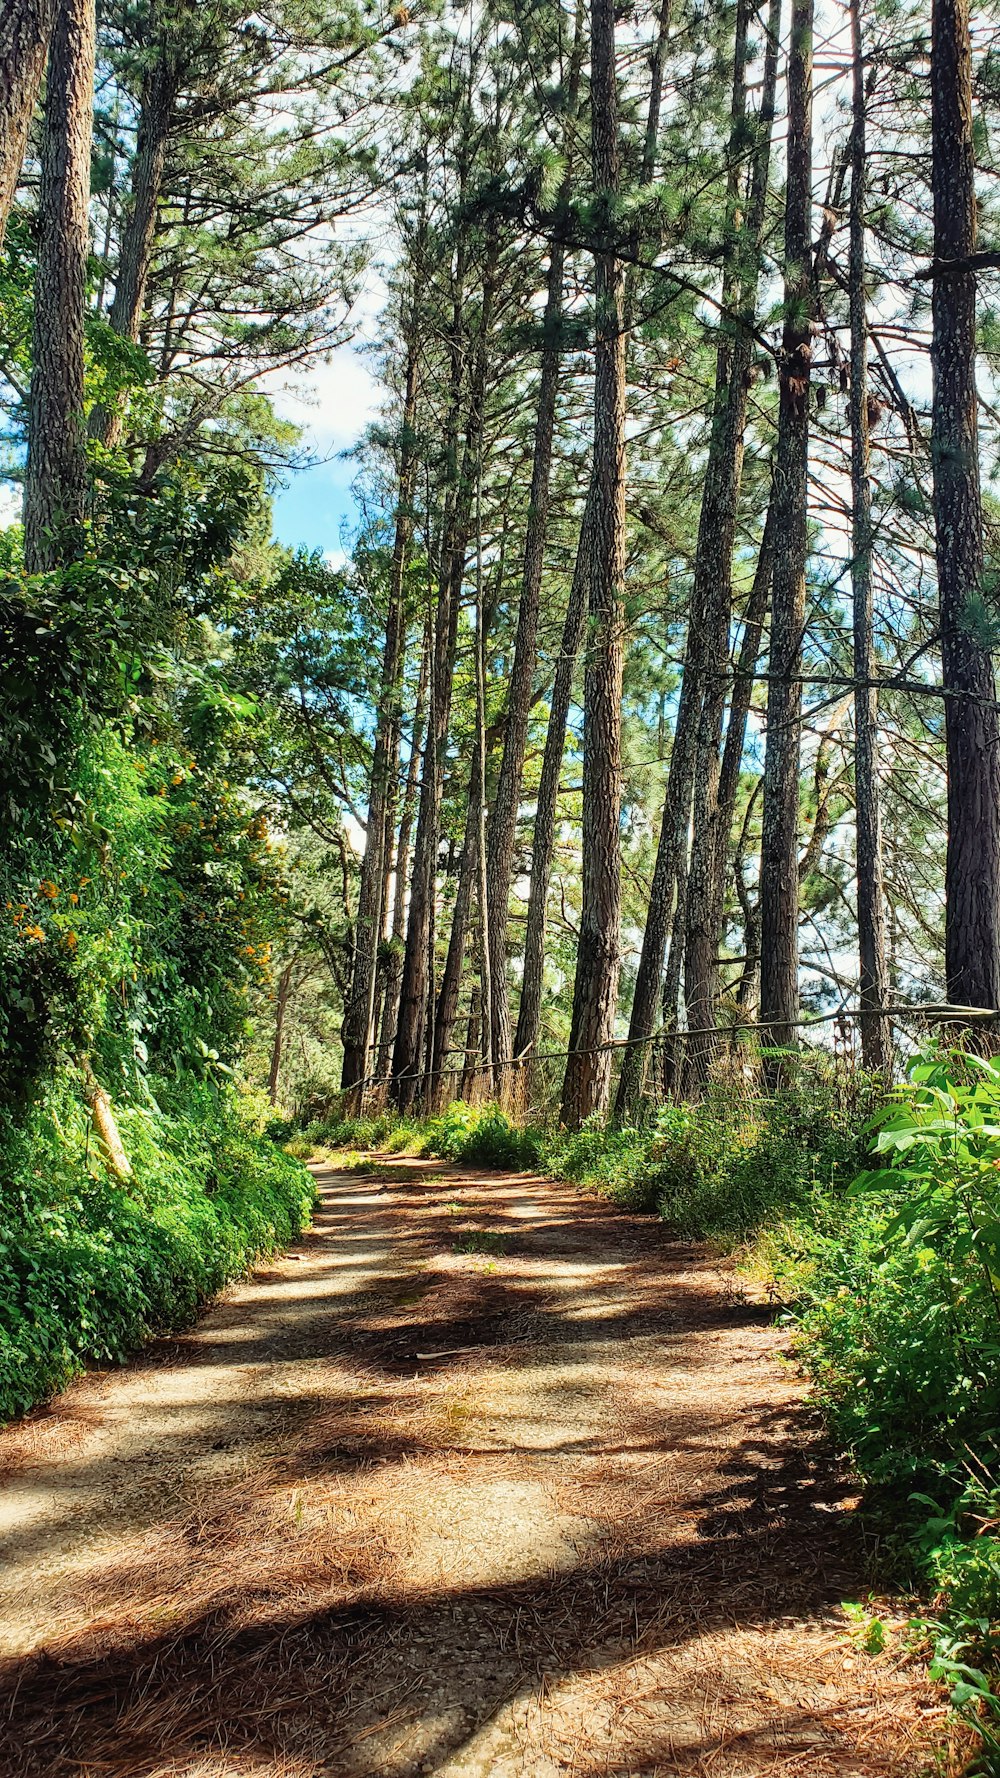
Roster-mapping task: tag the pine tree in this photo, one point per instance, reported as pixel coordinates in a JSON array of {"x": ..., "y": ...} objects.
[{"x": 55, "y": 488}]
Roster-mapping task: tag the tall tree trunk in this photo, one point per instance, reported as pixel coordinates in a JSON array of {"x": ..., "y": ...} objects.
[
  {"x": 587, "y": 1081},
  {"x": 157, "y": 102},
  {"x": 25, "y": 30},
  {"x": 739, "y": 705},
  {"x": 360, "y": 1009},
  {"x": 446, "y": 1010},
  {"x": 280, "y": 1008},
  {"x": 55, "y": 488},
  {"x": 779, "y": 898},
  {"x": 470, "y": 1068},
  {"x": 401, "y": 870},
  {"x": 673, "y": 1038},
  {"x": 728, "y": 790},
  {"x": 874, "y": 980},
  {"x": 529, "y": 1010},
  {"x": 716, "y": 537},
  {"x": 972, "y": 873},
  {"x": 156, "y": 109},
  {"x": 415, "y": 986},
  {"x": 502, "y": 825},
  {"x": 470, "y": 880},
  {"x": 417, "y": 990},
  {"x": 658, "y": 62},
  {"x": 479, "y": 802},
  {"x": 669, "y": 867},
  {"x": 647, "y": 984}
]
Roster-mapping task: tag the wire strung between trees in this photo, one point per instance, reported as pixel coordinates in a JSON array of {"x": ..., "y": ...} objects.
[{"x": 943, "y": 1012}]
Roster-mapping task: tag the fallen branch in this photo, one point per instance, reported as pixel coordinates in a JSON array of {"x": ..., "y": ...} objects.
[{"x": 105, "y": 1126}]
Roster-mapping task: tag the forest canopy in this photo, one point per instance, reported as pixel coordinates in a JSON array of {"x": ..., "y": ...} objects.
[{"x": 654, "y": 697}]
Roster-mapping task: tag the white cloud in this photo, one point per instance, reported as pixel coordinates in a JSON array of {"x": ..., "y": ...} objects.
[
  {"x": 336, "y": 401},
  {"x": 10, "y": 505}
]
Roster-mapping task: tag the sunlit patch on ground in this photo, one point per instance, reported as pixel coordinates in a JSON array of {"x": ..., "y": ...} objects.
[{"x": 549, "y": 1507}]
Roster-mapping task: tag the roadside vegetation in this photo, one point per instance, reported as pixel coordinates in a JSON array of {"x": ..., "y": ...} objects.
[{"x": 90, "y": 1269}]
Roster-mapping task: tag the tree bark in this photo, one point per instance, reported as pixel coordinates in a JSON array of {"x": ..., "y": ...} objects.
[
  {"x": 446, "y": 1010},
  {"x": 479, "y": 762},
  {"x": 394, "y": 968},
  {"x": 543, "y": 843},
  {"x": 415, "y": 986},
  {"x": 417, "y": 990},
  {"x": 874, "y": 979},
  {"x": 360, "y": 1009},
  {"x": 713, "y": 573},
  {"x": 672, "y": 847},
  {"x": 587, "y": 1082},
  {"x": 25, "y": 31},
  {"x": 670, "y": 863},
  {"x": 502, "y": 825},
  {"x": 156, "y": 109},
  {"x": 739, "y": 705},
  {"x": 280, "y": 1008},
  {"x": 470, "y": 1067},
  {"x": 972, "y": 872},
  {"x": 157, "y": 102},
  {"x": 55, "y": 487},
  {"x": 779, "y": 898}
]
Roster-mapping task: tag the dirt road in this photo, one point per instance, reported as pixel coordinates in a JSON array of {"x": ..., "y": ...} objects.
[{"x": 484, "y": 1480}]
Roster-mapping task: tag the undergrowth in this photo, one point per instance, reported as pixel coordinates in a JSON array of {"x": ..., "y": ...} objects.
[{"x": 91, "y": 1267}]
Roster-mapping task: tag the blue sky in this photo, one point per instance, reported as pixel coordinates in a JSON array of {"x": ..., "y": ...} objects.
[
  {"x": 312, "y": 509},
  {"x": 333, "y": 405}
]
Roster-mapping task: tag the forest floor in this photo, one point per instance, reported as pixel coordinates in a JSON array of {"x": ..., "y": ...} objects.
[{"x": 484, "y": 1479}]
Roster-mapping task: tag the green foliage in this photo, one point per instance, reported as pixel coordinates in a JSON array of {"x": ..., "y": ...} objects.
[
  {"x": 895, "y": 1285},
  {"x": 483, "y": 1136},
  {"x": 614, "y": 1161},
  {"x": 387, "y": 1131},
  {"x": 90, "y": 1267},
  {"x": 724, "y": 1167},
  {"x": 488, "y": 1241},
  {"x": 729, "y": 1166}
]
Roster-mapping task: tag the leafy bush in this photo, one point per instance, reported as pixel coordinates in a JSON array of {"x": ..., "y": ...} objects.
[
  {"x": 898, "y": 1283},
  {"x": 614, "y": 1161},
  {"x": 728, "y": 1166},
  {"x": 896, "y": 1287},
  {"x": 91, "y": 1268},
  {"x": 388, "y": 1131},
  {"x": 484, "y": 1136}
]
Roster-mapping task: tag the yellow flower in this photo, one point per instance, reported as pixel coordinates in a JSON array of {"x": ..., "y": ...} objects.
[
  {"x": 70, "y": 941},
  {"x": 36, "y": 933},
  {"x": 49, "y": 890}
]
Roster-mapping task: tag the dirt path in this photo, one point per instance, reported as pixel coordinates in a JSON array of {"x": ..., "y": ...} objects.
[{"x": 485, "y": 1480}]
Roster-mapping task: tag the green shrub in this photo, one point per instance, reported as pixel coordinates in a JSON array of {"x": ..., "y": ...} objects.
[
  {"x": 91, "y": 1268},
  {"x": 602, "y": 1157},
  {"x": 483, "y": 1136},
  {"x": 897, "y": 1283},
  {"x": 729, "y": 1166},
  {"x": 896, "y": 1291}
]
